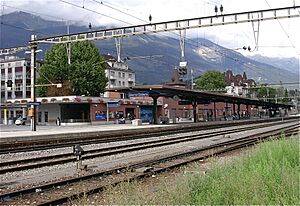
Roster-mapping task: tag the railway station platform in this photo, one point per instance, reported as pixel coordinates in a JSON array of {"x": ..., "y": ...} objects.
[{"x": 11, "y": 131}]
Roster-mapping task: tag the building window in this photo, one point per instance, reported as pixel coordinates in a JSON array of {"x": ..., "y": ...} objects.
[
  {"x": 19, "y": 76},
  {"x": 122, "y": 95},
  {"x": 46, "y": 116},
  {"x": 119, "y": 74},
  {"x": 119, "y": 83},
  {"x": 112, "y": 82},
  {"x": 112, "y": 73},
  {"x": 123, "y": 75},
  {"x": 18, "y": 64},
  {"x": 19, "y": 87},
  {"x": 123, "y": 83},
  {"x": 129, "y": 75}
]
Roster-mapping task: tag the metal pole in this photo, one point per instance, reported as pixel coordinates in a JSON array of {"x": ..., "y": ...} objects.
[
  {"x": 118, "y": 42},
  {"x": 32, "y": 85},
  {"x": 192, "y": 79},
  {"x": 107, "y": 113},
  {"x": 69, "y": 44},
  {"x": 195, "y": 111},
  {"x": 154, "y": 109}
]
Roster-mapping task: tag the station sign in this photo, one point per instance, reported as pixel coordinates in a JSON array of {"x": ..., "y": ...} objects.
[
  {"x": 138, "y": 94},
  {"x": 113, "y": 104},
  {"x": 182, "y": 64},
  {"x": 184, "y": 102},
  {"x": 189, "y": 102},
  {"x": 34, "y": 103},
  {"x": 203, "y": 101}
]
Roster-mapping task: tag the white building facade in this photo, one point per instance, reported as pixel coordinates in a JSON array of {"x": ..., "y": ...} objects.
[
  {"x": 16, "y": 71},
  {"x": 118, "y": 75}
]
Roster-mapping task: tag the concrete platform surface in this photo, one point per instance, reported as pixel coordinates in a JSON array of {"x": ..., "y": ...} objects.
[{"x": 7, "y": 131}]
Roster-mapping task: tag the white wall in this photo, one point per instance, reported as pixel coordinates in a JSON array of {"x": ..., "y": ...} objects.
[{"x": 53, "y": 110}]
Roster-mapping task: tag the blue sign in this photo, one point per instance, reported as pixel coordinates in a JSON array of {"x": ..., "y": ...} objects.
[
  {"x": 146, "y": 114},
  {"x": 138, "y": 94},
  {"x": 100, "y": 117},
  {"x": 34, "y": 103},
  {"x": 113, "y": 104}
]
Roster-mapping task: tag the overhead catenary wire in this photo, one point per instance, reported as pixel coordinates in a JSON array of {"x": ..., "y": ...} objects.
[
  {"x": 34, "y": 12},
  {"x": 187, "y": 39},
  {"x": 284, "y": 31},
  {"x": 245, "y": 64},
  {"x": 45, "y": 15},
  {"x": 26, "y": 29},
  {"x": 170, "y": 32},
  {"x": 219, "y": 52},
  {"x": 96, "y": 12}
]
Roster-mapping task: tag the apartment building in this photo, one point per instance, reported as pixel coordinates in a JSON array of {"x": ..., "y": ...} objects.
[
  {"x": 118, "y": 74},
  {"x": 16, "y": 70}
]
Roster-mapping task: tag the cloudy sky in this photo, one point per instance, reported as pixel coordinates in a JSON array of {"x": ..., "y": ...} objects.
[{"x": 276, "y": 38}]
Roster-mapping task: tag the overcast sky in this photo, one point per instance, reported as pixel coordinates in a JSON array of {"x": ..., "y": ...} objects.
[{"x": 274, "y": 39}]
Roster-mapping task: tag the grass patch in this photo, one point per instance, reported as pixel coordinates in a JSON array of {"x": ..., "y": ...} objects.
[
  {"x": 269, "y": 174},
  {"x": 266, "y": 174}
]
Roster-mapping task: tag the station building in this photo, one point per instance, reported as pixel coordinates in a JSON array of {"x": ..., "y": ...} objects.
[
  {"x": 14, "y": 99},
  {"x": 123, "y": 99}
]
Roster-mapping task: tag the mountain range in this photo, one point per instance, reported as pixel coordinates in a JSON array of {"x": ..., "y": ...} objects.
[{"x": 153, "y": 57}]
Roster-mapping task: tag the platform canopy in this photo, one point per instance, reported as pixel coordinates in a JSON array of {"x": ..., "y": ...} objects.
[{"x": 192, "y": 95}]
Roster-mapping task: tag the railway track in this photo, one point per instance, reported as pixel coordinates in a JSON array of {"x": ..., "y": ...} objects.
[
  {"x": 63, "y": 191},
  {"x": 62, "y": 140},
  {"x": 36, "y": 162}
]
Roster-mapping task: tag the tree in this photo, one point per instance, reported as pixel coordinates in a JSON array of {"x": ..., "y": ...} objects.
[
  {"x": 211, "y": 80},
  {"x": 267, "y": 93},
  {"x": 84, "y": 76}
]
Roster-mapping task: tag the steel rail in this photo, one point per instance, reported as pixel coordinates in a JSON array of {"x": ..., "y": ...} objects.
[
  {"x": 46, "y": 187},
  {"x": 114, "y": 136},
  {"x": 94, "y": 153}
]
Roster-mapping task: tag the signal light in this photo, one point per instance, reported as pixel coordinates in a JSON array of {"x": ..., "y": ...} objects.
[{"x": 182, "y": 70}]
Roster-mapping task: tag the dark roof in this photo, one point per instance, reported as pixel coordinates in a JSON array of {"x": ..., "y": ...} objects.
[{"x": 199, "y": 96}]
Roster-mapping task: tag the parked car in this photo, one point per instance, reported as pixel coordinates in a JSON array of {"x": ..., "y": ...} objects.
[{"x": 20, "y": 121}]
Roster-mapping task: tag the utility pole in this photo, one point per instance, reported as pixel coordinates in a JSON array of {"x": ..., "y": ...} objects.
[
  {"x": 32, "y": 85},
  {"x": 68, "y": 45},
  {"x": 118, "y": 42},
  {"x": 192, "y": 79}
]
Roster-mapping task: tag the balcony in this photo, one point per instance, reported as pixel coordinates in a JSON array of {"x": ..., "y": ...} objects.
[
  {"x": 112, "y": 77},
  {"x": 130, "y": 79}
]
